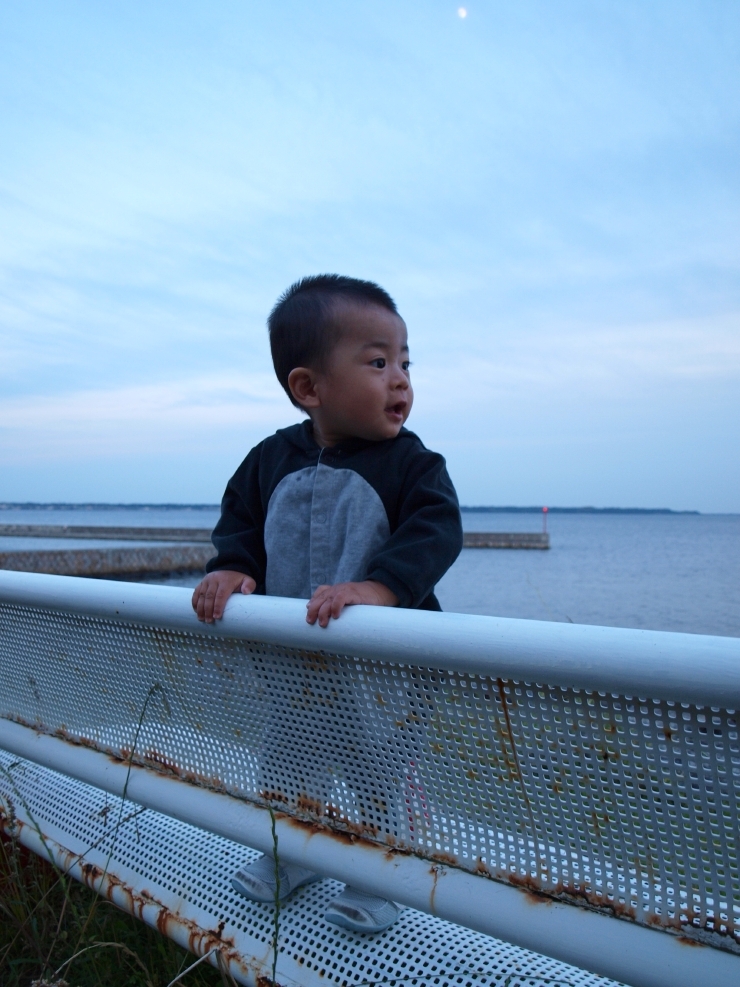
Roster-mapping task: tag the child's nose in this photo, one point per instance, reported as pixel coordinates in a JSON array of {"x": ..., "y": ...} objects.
[{"x": 400, "y": 378}]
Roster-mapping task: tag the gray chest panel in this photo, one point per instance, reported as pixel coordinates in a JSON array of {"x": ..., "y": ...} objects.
[{"x": 323, "y": 525}]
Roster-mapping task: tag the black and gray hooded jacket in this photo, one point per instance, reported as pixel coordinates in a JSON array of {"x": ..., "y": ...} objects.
[{"x": 295, "y": 516}]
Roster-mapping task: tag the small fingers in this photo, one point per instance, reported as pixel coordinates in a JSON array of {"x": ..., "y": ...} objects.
[
  {"x": 325, "y": 611},
  {"x": 209, "y": 600},
  {"x": 334, "y": 603},
  {"x": 329, "y": 601},
  {"x": 313, "y": 605},
  {"x": 200, "y": 598},
  {"x": 339, "y": 602},
  {"x": 201, "y": 611},
  {"x": 223, "y": 592}
]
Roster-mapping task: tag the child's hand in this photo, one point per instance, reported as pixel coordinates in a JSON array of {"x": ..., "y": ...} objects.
[
  {"x": 211, "y": 593},
  {"x": 329, "y": 601}
]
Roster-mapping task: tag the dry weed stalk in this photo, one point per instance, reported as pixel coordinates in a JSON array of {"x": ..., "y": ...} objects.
[{"x": 48, "y": 922}]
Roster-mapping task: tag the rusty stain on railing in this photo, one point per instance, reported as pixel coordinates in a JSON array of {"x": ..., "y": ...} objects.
[
  {"x": 140, "y": 903},
  {"x": 312, "y": 816}
]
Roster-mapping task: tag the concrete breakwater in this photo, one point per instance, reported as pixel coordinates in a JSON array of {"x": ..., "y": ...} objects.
[
  {"x": 189, "y": 552},
  {"x": 102, "y": 533},
  {"x": 471, "y": 539},
  {"x": 107, "y": 562},
  {"x": 505, "y": 539}
]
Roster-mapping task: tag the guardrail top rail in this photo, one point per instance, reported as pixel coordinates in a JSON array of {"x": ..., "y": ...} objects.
[{"x": 594, "y": 765}]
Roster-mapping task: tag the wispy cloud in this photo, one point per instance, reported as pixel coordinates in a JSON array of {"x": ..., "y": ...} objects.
[
  {"x": 155, "y": 418},
  {"x": 551, "y": 195},
  {"x": 595, "y": 362}
]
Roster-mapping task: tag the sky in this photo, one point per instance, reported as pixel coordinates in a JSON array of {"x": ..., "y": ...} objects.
[{"x": 549, "y": 192}]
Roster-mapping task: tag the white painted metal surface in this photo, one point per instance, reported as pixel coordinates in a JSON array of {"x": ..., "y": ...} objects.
[
  {"x": 684, "y": 667},
  {"x": 176, "y": 878},
  {"x": 480, "y": 748},
  {"x": 585, "y": 939}
]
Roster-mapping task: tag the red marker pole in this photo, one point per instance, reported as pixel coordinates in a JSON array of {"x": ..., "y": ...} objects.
[{"x": 544, "y": 520}]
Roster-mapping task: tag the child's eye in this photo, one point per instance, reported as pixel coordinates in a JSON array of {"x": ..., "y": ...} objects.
[
  {"x": 405, "y": 365},
  {"x": 379, "y": 362}
]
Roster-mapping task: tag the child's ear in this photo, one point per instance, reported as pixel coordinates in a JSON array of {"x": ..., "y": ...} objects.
[{"x": 302, "y": 384}]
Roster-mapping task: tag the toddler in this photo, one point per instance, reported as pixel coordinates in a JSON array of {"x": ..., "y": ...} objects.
[{"x": 347, "y": 507}]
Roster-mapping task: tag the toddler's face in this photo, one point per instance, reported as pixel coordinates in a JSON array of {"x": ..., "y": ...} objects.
[{"x": 365, "y": 391}]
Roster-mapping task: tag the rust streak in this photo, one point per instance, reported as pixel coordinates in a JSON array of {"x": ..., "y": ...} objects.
[
  {"x": 510, "y": 732},
  {"x": 312, "y": 816},
  {"x": 532, "y": 889},
  {"x": 143, "y": 905},
  {"x": 571, "y": 894},
  {"x": 434, "y": 870},
  {"x": 159, "y": 760},
  {"x": 200, "y": 941}
]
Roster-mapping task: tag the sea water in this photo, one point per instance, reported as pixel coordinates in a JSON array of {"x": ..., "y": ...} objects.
[
  {"x": 673, "y": 572},
  {"x": 670, "y": 572}
]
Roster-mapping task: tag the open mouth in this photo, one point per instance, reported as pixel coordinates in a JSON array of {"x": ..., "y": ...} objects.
[{"x": 396, "y": 411}]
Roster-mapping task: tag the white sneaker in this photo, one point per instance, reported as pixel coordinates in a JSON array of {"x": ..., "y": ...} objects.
[
  {"x": 257, "y": 880},
  {"x": 361, "y": 912}
]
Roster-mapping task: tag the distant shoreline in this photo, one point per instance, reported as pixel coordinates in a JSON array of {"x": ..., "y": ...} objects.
[
  {"x": 31, "y": 506},
  {"x": 576, "y": 510}
]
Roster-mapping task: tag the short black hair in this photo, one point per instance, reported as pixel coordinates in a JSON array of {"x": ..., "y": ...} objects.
[{"x": 302, "y": 327}]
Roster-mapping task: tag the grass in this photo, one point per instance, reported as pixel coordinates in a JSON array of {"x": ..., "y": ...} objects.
[
  {"x": 54, "y": 932},
  {"x": 47, "y": 918}
]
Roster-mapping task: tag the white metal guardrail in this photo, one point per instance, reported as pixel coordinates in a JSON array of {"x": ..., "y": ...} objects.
[
  {"x": 175, "y": 877},
  {"x": 571, "y": 789}
]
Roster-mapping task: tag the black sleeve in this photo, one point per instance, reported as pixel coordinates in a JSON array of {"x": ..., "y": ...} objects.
[
  {"x": 239, "y": 534},
  {"x": 428, "y": 538}
]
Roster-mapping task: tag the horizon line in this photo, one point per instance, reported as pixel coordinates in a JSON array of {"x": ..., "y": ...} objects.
[{"x": 482, "y": 508}]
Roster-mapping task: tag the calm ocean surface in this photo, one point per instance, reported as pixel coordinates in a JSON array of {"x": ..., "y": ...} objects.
[{"x": 657, "y": 571}]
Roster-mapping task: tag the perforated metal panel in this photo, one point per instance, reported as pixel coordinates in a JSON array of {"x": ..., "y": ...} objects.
[
  {"x": 186, "y": 870},
  {"x": 618, "y": 803}
]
